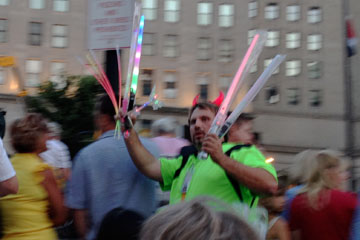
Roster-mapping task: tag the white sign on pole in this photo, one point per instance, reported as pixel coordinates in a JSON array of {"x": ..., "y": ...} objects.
[{"x": 110, "y": 23}]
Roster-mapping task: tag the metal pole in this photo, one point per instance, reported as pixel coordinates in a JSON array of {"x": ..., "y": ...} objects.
[{"x": 349, "y": 118}]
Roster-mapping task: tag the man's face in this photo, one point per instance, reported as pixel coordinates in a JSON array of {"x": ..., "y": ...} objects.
[
  {"x": 242, "y": 133},
  {"x": 200, "y": 122}
]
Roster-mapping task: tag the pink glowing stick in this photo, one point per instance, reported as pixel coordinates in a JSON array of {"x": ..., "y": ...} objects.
[
  {"x": 119, "y": 71},
  {"x": 250, "y": 57}
]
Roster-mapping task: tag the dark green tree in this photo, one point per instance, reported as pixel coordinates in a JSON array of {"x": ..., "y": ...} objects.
[{"x": 71, "y": 106}]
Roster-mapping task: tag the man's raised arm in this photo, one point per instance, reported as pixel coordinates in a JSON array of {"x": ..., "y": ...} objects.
[
  {"x": 143, "y": 159},
  {"x": 256, "y": 179}
]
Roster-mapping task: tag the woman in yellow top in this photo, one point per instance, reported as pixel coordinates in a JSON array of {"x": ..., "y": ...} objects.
[{"x": 38, "y": 206}]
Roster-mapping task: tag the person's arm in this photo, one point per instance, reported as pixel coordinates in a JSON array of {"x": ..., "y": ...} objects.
[
  {"x": 296, "y": 235},
  {"x": 283, "y": 231},
  {"x": 256, "y": 179},
  {"x": 9, "y": 186},
  {"x": 143, "y": 159},
  {"x": 57, "y": 207},
  {"x": 80, "y": 216}
]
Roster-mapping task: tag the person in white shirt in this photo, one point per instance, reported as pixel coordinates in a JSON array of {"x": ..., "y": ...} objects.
[
  {"x": 8, "y": 180},
  {"x": 57, "y": 154}
]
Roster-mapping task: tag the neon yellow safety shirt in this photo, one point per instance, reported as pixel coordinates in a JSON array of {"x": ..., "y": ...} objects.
[{"x": 209, "y": 179}]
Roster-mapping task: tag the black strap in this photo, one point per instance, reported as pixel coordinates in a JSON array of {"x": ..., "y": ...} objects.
[
  {"x": 185, "y": 152},
  {"x": 232, "y": 180}
]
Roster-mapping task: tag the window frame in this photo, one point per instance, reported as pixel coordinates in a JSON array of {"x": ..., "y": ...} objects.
[
  {"x": 272, "y": 11},
  {"x": 32, "y": 35},
  {"x": 66, "y": 4},
  {"x": 170, "y": 12},
  {"x": 205, "y": 15},
  {"x": 151, "y": 12},
  {"x": 226, "y": 20},
  {"x": 291, "y": 15}
]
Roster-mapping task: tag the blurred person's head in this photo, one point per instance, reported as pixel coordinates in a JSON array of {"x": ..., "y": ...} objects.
[
  {"x": 299, "y": 170},
  {"x": 329, "y": 171},
  {"x": 200, "y": 120},
  {"x": 104, "y": 114},
  {"x": 242, "y": 129},
  {"x": 164, "y": 127},
  {"x": 54, "y": 130},
  {"x": 29, "y": 134},
  {"x": 201, "y": 219},
  {"x": 120, "y": 223},
  {"x": 275, "y": 204}
]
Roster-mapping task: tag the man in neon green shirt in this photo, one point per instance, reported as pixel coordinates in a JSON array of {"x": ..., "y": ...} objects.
[{"x": 213, "y": 176}]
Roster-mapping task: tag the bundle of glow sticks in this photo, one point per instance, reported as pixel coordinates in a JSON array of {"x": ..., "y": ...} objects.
[
  {"x": 95, "y": 68},
  {"x": 221, "y": 124}
]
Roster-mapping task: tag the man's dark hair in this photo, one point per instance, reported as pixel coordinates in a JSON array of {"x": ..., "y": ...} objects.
[
  {"x": 120, "y": 223},
  {"x": 244, "y": 117},
  {"x": 203, "y": 105},
  {"x": 105, "y": 106}
]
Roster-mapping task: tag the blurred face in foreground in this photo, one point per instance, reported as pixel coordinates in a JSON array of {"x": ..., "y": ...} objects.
[{"x": 200, "y": 122}]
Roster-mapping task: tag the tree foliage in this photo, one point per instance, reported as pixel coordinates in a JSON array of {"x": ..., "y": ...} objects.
[{"x": 71, "y": 107}]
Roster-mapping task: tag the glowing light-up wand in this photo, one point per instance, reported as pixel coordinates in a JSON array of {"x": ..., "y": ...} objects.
[
  {"x": 153, "y": 100},
  {"x": 133, "y": 47},
  {"x": 135, "y": 75},
  {"x": 251, "y": 94},
  {"x": 249, "y": 59}
]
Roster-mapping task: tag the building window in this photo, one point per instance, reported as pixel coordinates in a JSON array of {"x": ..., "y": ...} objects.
[
  {"x": 171, "y": 46},
  {"x": 204, "y": 49},
  {"x": 273, "y": 39},
  {"x": 3, "y": 30},
  {"x": 170, "y": 90},
  {"x": 171, "y": 10},
  {"x": 314, "y": 69},
  {"x": 146, "y": 77},
  {"x": 203, "y": 90},
  {"x": 251, "y": 34},
  {"x": 57, "y": 71},
  {"x": 203, "y": 85},
  {"x": 271, "y": 11},
  {"x": 293, "y": 68},
  {"x": 226, "y": 50},
  {"x": 61, "y": 5},
  {"x": 33, "y": 71},
  {"x": 204, "y": 13},
  {"x": 272, "y": 95},
  {"x": 4, "y": 2},
  {"x": 226, "y": 15},
  {"x": 148, "y": 45},
  {"x": 224, "y": 82},
  {"x": 315, "y": 98},
  {"x": 37, "y": 4},
  {"x": 293, "y": 13},
  {"x": 252, "y": 9},
  {"x": 293, "y": 97},
  {"x": 2, "y": 75},
  {"x": 267, "y": 62},
  {"x": 314, "y": 42},
  {"x": 35, "y": 34},
  {"x": 149, "y": 9},
  {"x": 59, "y": 36},
  {"x": 293, "y": 40},
  {"x": 314, "y": 15}
]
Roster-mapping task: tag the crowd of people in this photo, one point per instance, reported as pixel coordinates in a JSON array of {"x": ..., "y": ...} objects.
[{"x": 109, "y": 190}]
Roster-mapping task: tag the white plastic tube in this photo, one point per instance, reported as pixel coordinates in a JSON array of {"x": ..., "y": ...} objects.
[
  {"x": 249, "y": 59},
  {"x": 251, "y": 94}
]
